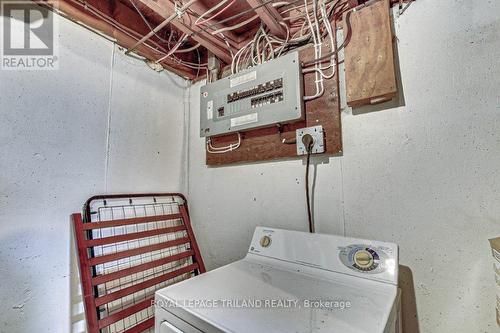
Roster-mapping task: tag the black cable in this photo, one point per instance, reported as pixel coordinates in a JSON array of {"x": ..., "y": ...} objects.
[
  {"x": 406, "y": 7},
  {"x": 309, "y": 214},
  {"x": 348, "y": 35},
  {"x": 308, "y": 141}
]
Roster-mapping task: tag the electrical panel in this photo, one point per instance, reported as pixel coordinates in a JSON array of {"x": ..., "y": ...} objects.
[{"x": 260, "y": 96}]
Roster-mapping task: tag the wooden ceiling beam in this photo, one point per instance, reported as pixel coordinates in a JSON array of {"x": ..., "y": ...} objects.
[
  {"x": 165, "y": 8},
  {"x": 270, "y": 17},
  {"x": 77, "y": 11}
]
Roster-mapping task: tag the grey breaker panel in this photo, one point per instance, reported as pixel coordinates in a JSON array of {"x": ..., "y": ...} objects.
[{"x": 260, "y": 96}]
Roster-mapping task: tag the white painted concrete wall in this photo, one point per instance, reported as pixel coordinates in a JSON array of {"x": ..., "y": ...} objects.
[
  {"x": 55, "y": 153},
  {"x": 425, "y": 175}
]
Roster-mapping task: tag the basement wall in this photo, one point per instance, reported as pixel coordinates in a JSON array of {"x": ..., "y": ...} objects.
[
  {"x": 425, "y": 175},
  {"x": 102, "y": 123}
]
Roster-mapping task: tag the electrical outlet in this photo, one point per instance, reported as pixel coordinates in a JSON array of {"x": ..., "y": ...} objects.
[{"x": 318, "y": 136}]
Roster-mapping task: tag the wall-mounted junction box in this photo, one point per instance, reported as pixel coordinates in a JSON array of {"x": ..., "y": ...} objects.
[
  {"x": 263, "y": 95},
  {"x": 318, "y": 136}
]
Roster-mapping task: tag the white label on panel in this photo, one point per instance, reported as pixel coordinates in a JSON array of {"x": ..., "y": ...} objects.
[
  {"x": 243, "y": 79},
  {"x": 210, "y": 109},
  {"x": 243, "y": 120}
]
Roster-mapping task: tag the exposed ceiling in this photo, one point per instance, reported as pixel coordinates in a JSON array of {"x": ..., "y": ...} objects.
[{"x": 179, "y": 35}]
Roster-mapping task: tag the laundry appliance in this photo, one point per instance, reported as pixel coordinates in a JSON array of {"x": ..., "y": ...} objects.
[{"x": 290, "y": 281}]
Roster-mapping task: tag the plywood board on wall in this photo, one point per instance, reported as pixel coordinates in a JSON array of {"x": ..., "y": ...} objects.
[
  {"x": 266, "y": 143},
  {"x": 369, "y": 59}
]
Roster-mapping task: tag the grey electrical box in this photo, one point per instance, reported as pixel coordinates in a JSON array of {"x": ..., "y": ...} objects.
[{"x": 260, "y": 96}]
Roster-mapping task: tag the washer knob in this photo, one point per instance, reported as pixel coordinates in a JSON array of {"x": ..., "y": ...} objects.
[
  {"x": 265, "y": 241},
  {"x": 363, "y": 259}
]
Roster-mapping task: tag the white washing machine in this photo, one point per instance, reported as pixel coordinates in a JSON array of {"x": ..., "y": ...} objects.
[{"x": 290, "y": 281}]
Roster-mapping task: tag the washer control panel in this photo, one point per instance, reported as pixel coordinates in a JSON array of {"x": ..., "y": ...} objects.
[
  {"x": 367, "y": 259},
  {"x": 363, "y": 258}
]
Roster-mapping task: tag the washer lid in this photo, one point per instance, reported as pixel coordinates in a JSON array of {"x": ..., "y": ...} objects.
[{"x": 250, "y": 296}]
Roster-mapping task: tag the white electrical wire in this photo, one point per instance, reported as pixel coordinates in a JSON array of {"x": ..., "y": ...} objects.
[
  {"x": 236, "y": 26},
  {"x": 173, "y": 49},
  {"x": 245, "y": 22},
  {"x": 236, "y": 58},
  {"x": 222, "y": 150},
  {"x": 192, "y": 48},
  {"x": 317, "y": 53},
  {"x": 210, "y": 10},
  {"x": 329, "y": 31},
  {"x": 312, "y": 24},
  {"x": 286, "y": 40},
  {"x": 227, "y": 44}
]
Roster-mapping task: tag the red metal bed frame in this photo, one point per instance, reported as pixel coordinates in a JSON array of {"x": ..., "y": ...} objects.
[{"x": 129, "y": 247}]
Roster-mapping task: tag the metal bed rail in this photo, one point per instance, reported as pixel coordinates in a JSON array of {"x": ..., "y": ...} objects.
[{"x": 128, "y": 247}]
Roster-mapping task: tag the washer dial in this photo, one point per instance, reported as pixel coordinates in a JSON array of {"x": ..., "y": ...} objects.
[
  {"x": 363, "y": 258},
  {"x": 265, "y": 241}
]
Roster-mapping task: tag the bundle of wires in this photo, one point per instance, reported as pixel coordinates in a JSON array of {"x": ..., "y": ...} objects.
[
  {"x": 307, "y": 22},
  {"x": 310, "y": 22},
  {"x": 222, "y": 150}
]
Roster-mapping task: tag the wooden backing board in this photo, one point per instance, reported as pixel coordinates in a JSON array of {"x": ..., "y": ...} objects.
[
  {"x": 369, "y": 59},
  {"x": 266, "y": 143}
]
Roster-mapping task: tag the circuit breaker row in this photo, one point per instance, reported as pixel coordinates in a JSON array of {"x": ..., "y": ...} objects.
[
  {"x": 259, "y": 89},
  {"x": 267, "y": 99}
]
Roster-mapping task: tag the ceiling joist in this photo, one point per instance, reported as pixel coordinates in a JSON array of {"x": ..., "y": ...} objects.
[
  {"x": 122, "y": 24},
  {"x": 212, "y": 43},
  {"x": 270, "y": 17},
  {"x": 178, "y": 34}
]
